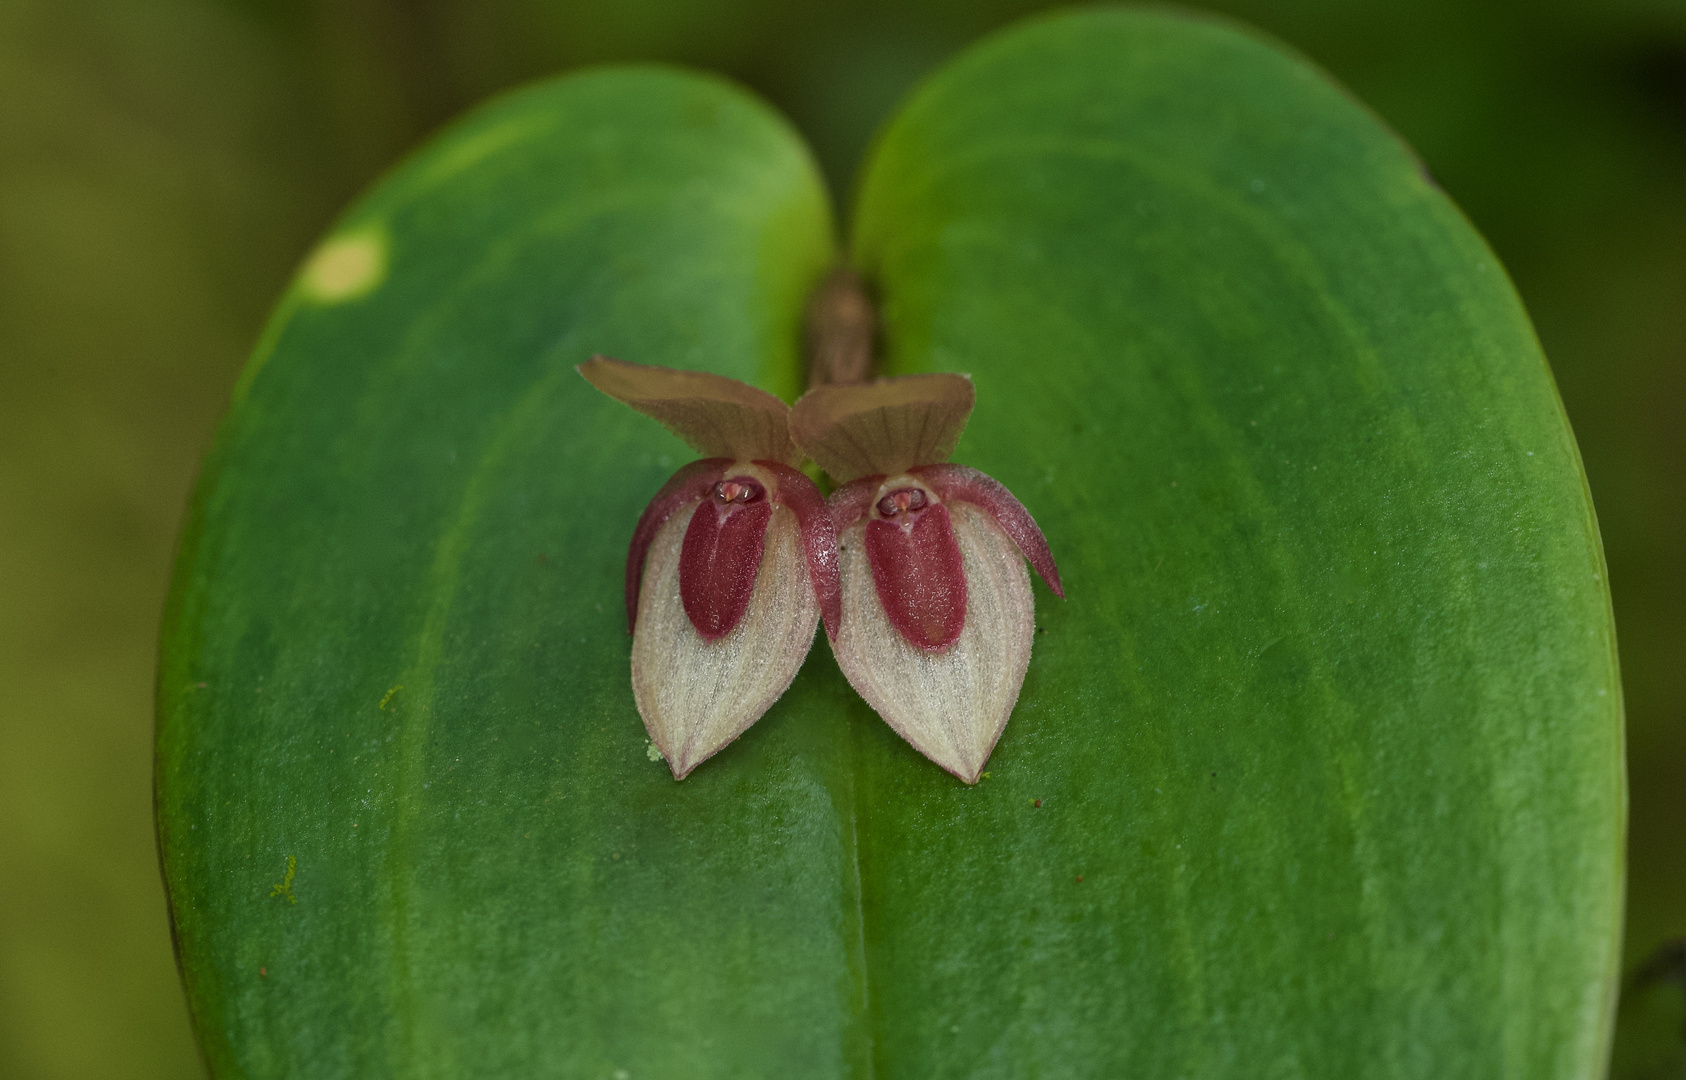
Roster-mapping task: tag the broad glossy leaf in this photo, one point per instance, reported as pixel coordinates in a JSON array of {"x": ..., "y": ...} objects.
[
  {"x": 1315, "y": 773},
  {"x": 1329, "y": 725},
  {"x": 409, "y": 824}
]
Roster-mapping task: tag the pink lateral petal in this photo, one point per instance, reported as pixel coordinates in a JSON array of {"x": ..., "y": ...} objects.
[
  {"x": 920, "y": 578},
  {"x": 819, "y": 538},
  {"x": 967, "y": 484},
  {"x": 688, "y": 484},
  {"x": 850, "y": 502},
  {"x": 718, "y": 562}
]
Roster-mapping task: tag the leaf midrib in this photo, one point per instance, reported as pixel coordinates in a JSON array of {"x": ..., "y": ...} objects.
[{"x": 869, "y": 1055}]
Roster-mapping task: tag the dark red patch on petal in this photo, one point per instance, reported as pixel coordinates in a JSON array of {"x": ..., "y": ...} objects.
[
  {"x": 920, "y": 580},
  {"x": 687, "y": 485},
  {"x": 721, "y": 554}
]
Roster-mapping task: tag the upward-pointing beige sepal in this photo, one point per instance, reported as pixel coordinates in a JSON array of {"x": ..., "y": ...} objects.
[{"x": 716, "y": 416}]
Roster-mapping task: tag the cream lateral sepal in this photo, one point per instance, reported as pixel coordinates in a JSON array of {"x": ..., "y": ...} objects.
[
  {"x": 695, "y": 695},
  {"x": 951, "y": 706}
]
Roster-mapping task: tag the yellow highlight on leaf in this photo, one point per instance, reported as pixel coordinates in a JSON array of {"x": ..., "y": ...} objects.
[{"x": 346, "y": 267}]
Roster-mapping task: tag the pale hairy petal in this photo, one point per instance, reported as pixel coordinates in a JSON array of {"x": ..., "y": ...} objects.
[
  {"x": 886, "y": 426},
  {"x": 696, "y": 696},
  {"x": 952, "y": 706},
  {"x": 716, "y": 416},
  {"x": 793, "y": 489}
]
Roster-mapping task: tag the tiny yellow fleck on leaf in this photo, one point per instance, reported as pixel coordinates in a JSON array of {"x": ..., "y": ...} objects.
[{"x": 285, "y": 886}]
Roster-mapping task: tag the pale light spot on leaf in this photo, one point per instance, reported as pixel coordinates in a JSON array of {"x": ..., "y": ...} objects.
[{"x": 345, "y": 267}]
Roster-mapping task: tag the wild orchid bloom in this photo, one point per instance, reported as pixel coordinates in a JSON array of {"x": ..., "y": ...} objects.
[
  {"x": 731, "y": 565},
  {"x": 938, "y": 615}
]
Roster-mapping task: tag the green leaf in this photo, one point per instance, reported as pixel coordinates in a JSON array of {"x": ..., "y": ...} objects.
[
  {"x": 394, "y": 679},
  {"x": 1330, "y": 724},
  {"x": 1317, "y": 772}
]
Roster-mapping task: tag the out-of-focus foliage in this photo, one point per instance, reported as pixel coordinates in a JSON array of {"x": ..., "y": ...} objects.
[
  {"x": 151, "y": 201},
  {"x": 164, "y": 164}
]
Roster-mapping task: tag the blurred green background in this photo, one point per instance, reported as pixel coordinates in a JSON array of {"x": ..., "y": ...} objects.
[{"x": 164, "y": 165}]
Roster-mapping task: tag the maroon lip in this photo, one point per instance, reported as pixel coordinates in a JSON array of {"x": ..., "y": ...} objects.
[
  {"x": 721, "y": 554},
  {"x": 917, "y": 569}
]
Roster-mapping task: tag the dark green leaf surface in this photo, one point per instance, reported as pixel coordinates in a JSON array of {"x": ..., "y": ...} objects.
[{"x": 1326, "y": 740}]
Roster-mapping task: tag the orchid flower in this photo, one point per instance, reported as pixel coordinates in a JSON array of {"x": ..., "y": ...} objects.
[
  {"x": 937, "y": 611},
  {"x": 731, "y": 565}
]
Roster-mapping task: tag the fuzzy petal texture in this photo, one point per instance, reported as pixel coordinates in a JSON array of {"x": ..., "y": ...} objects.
[
  {"x": 697, "y": 695},
  {"x": 964, "y": 483},
  {"x": 886, "y": 426},
  {"x": 793, "y": 489},
  {"x": 716, "y": 416},
  {"x": 951, "y": 705}
]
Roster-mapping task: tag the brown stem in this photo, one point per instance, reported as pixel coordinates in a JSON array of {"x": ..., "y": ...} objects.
[{"x": 841, "y": 325}]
